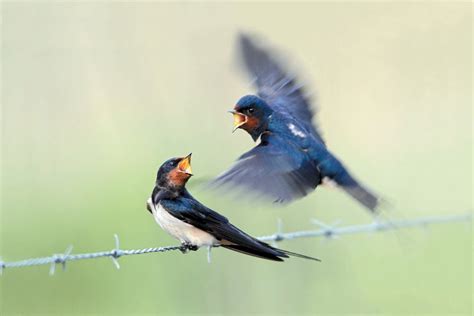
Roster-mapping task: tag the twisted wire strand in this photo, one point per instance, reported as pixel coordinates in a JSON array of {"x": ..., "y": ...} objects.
[{"x": 325, "y": 230}]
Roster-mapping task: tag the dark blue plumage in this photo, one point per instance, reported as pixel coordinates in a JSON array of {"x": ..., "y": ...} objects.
[
  {"x": 291, "y": 159},
  {"x": 195, "y": 225}
]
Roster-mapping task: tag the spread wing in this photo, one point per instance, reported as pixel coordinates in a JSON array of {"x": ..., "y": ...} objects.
[
  {"x": 277, "y": 87},
  {"x": 275, "y": 169}
]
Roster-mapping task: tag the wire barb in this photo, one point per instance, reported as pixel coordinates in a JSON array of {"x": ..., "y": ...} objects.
[
  {"x": 209, "y": 254},
  {"x": 328, "y": 229},
  {"x": 2, "y": 266},
  {"x": 59, "y": 259},
  {"x": 116, "y": 252},
  {"x": 324, "y": 230},
  {"x": 279, "y": 233}
]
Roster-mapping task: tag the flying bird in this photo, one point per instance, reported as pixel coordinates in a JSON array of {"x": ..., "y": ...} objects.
[
  {"x": 292, "y": 158},
  {"x": 195, "y": 225}
]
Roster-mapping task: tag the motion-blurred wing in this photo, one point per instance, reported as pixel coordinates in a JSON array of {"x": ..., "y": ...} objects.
[
  {"x": 277, "y": 87},
  {"x": 275, "y": 170}
]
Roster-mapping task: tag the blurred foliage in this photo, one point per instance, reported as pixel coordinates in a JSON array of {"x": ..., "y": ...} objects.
[{"x": 97, "y": 95}]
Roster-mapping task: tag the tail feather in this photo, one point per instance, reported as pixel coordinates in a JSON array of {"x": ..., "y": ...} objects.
[
  {"x": 254, "y": 252},
  {"x": 345, "y": 181},
  {"x": 362, "y": 195},
  {"x": 334, "y": 170},
  {"x": 298, "y": 255},
  {"x": 269, "y": 252}
]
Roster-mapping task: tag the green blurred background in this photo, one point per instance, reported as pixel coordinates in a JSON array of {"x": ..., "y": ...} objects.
[{"x": 97, "y": 95}]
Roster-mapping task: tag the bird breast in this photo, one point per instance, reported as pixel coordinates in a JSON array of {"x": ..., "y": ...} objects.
[{"x": 180, "y": 230}]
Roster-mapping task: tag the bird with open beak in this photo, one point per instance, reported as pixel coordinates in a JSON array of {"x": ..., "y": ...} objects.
[
  {"x": 195, "y": 225},
  {"x": 291, "y": 159}
]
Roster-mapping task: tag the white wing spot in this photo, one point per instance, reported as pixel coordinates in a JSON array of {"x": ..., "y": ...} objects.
[
  {"x": 329, "y": 183},
  {"x": 296, "y": 131}
]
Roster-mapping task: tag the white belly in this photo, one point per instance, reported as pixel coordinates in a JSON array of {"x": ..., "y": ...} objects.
[{"x": 181, "y": 230}]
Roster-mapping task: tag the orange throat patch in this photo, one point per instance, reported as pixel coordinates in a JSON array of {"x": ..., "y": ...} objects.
[
  {"x": 251, "y": 124},
  {"x": 178, "y": 178}
]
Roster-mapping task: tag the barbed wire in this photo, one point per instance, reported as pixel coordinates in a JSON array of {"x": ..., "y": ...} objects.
[{"x": 325, "y": 230}]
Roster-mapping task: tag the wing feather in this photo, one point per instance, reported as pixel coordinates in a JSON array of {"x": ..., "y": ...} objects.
[
  {"x": 196, "y": 214},
  {"x": 272, "y": 170},
  {"x": 277, "y": 87}
]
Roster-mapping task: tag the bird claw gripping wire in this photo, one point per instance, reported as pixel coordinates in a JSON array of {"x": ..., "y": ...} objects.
[
  {"x": 186, "y": 247},
  {"x": 116, "y": 252}
]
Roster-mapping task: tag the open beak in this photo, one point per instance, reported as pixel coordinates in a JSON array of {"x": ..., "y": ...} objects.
[
  {"x": 239, "y": 119},
  {"x": 185, "y": 165}
]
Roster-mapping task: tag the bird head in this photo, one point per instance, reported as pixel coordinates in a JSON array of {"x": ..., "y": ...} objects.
[
  {"x": 251, "y": 113},
  {"x": 175, "y": 172}
]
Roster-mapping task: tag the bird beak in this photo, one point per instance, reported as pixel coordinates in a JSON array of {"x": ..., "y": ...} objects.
[
  {"x": 185, "y": 165},
  {"x": 239, "y": 119}
]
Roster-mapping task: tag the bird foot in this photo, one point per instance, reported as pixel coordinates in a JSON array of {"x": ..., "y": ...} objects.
[{"x": 186, "y": 247}]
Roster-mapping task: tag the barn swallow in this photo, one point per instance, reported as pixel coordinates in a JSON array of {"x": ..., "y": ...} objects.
[
  {"x": 195, "y": 225},
  {"x": 291, "y": 159}
]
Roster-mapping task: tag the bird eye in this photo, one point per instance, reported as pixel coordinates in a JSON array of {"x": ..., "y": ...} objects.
[{"x": 248, "y": 111}]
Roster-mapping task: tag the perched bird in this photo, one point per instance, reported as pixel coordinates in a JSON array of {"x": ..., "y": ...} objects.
[
  {"x": 291, "y": 159},
  {"x": 195, "y": 225}
]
